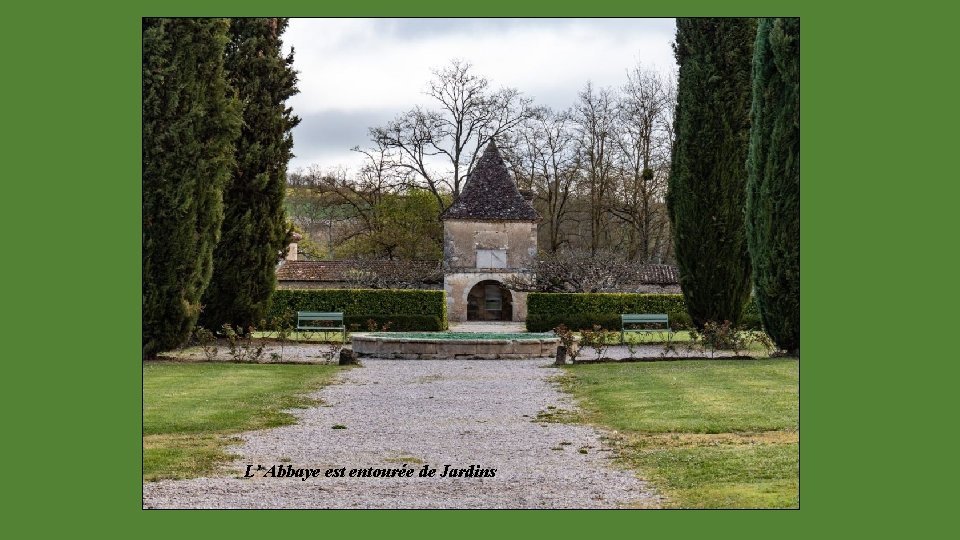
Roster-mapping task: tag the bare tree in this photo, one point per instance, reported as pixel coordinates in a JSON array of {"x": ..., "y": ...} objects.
[
  {"x": 439, "y": 147},
  {"x": 594, "y": 120},
  {"x": 578, "y": 270},
  {"x": 597, "y": 171},
  {"x": 543, "y": 155},
  {"x": 643, "y": 140},
  {"x": 349, "y": 203}
]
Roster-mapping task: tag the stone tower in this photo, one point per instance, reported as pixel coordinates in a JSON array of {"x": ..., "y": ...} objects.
[{"x": 489, "y": 234}]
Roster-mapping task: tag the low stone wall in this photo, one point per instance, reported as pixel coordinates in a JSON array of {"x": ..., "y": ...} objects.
[{"x": 449, "y": 349}]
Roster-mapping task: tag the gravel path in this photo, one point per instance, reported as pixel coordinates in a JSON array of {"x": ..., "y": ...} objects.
[{"x": 457, "y": 413}]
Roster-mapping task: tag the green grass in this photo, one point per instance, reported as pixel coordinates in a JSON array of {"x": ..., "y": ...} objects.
[
  {"x": 708, "y": 434},
  {"x": 190, "y": 410},
  {"x": 319, "y": 337}
]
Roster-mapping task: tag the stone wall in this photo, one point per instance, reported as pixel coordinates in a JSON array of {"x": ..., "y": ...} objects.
[
  {"x": 458, "y": 285},
  {"x": 465, "y": 349},
  {"x": 462, "y": 239}
]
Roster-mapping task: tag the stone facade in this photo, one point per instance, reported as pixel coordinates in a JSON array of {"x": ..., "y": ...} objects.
[
  {"x": 459, "y": 284},
  {"x": 462, "y": 239},
  {"x": 489, "y": 236}
]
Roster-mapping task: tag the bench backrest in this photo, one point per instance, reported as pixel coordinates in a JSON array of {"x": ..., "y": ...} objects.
[
  {"x": 636, "y": 318},
  {"x": 319, "y": 316}
]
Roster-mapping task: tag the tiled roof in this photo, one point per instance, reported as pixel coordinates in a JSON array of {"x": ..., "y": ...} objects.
[
  {"x": 661, "y": 274},
  {"x": 425, "y": 271},
  {"x": 490, "y": 194}
]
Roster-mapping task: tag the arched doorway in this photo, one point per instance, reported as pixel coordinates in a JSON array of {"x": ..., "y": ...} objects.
[{"x": 489, "y": 301}]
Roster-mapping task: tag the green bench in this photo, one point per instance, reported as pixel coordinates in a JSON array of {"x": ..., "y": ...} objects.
[
  {"x": 645, "y": 319},
  {"x": 329, "y": 321}
]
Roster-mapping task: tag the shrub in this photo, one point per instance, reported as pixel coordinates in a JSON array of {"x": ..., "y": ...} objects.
[
  {"x": 583, "y": 310},
  {"x": 568, "y": 341},
  {"x": 243, "y": 348},
  {"x": 284, "y": 328},
  {"x": 207, "y": 341},
  {"x": 727, "y": 337},
  {"x": 405, "y": 310},
  {"x": 597, "y": 338}
]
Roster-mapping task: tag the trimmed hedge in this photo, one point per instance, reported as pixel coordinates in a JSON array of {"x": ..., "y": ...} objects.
[
  {"x": 546, "y": 311},
  {"x": 398, "y": 323},
  {"x": 406, "y": 309}
]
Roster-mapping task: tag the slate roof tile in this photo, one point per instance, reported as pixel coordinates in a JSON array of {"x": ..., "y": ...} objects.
[{"x": 490, "y": 194}]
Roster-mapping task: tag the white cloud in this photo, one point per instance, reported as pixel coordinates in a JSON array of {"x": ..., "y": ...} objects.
[{"x": 366, "y": 68}]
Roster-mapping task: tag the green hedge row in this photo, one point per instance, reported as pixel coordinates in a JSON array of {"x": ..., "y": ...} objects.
[
  {"x": 546, "y": 311},
  {"x": 398, "y": 323},
  {"x": 406, "y": 309}
]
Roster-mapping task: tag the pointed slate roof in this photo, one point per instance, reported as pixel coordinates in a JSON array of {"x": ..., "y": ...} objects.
[{"x": 490, "y": 194}]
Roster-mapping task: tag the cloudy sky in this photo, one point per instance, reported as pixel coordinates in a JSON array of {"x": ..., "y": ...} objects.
[{"x": 359, "y": 73}]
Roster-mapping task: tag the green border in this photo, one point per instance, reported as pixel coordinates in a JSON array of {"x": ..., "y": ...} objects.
[{"x": 72, "y": 139}]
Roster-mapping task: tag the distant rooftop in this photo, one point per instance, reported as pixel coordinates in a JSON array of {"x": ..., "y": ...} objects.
[
  {"x": 345, "y": 270},
  {"x": 660, "y": 274},
  {"x": 490, "y": 194}
]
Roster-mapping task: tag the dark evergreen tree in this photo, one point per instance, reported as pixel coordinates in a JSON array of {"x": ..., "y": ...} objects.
[
  {"x": 190, "y": 120},
  {"x": 254, "y": 232},
  {"x": 773, "y": 189},
  {"x": 707, "y": 187}
]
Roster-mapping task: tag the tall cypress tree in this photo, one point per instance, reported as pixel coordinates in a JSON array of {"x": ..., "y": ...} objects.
[
  {"x": 773, "y": 189},
  {"x": 254, "y": 227},
  {"x": 190, "y": 121},
  {"x": 707, "y": 187}
]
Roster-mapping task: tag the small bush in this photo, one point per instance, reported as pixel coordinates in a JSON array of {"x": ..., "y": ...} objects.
[
  {"x": 243, "y": 348},
  {"x": 207, "y": 341},
  {"x": 726, "y": 337},
  {"x": 330, "y": 352},
  {"x": 284, "y": 329},
  {"x": 569, "y": 341},
  {"x": 597, "y": 338}
]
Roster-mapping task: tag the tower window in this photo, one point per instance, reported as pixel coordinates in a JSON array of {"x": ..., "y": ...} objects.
[{"x": 491, "y": 258}]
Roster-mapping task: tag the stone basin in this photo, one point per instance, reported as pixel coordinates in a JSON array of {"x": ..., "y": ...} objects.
[{"x": 455, "y": 345}]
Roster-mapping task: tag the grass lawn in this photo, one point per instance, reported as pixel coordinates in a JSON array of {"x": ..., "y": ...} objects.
[
  {"x": 708, "y": 434},
  {"x": 190, "y": 410},
  {"x": 320, "y": 337}
]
